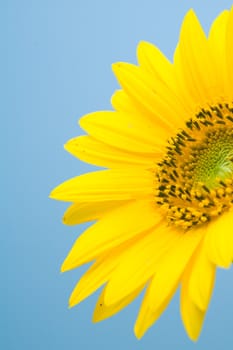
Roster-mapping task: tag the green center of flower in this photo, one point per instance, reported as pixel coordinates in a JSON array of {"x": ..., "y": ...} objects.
[
  {"x": 195, "y": 178},
  {"x": 213, "y": 157}
]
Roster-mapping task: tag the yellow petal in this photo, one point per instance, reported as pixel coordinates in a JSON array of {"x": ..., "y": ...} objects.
[
  {"x": 78, "y": 213},
  {"x": 217, "y": 44},
  {"x": 121, "y": 102},
  {"x": 94, "y": 152},
  {"x": 103, "y": 311},
  {"x": 106, "y": 185},
  {"x": 123, "y": 131},
  {"x": 138, "y": 85},
  {"x": 162, "y": 75},
  {"x": 191, "y": 315},
  {"x": 201, "y": 279},
  {"x": 191, "y": 103},
  {"x": 147, "y": 317},
  {"x": 81, "y": 212},
  {"x": 170, "y": 270},
  {"x": 229, "y": 51},
  {"x": 97, "y": 275},
  {"x": 116, "y": 227},
  {"x": 197, "y": 63},
  {"x": 153, "y": 60},
  {"x": 139, "y": 263},
  {"x": 219, "y": 242}
]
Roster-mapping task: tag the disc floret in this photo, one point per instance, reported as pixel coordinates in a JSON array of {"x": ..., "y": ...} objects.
[{"x": 195, "y": 178}]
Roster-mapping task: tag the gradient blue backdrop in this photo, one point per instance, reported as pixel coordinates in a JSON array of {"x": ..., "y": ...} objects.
[{"x": 56, "y": 65}]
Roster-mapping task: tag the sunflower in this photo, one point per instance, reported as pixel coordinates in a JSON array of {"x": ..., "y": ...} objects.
[{"x": 163, "y": 204}]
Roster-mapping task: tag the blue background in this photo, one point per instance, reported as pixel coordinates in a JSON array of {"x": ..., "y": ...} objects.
[{"x": 55, "y": 63}]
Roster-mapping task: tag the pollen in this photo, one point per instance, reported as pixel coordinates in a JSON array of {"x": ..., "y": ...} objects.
[{"x": 194, "y": 181}]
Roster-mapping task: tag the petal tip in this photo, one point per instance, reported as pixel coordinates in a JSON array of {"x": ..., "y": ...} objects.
[
  {"x": 138, "y": 332},
  {"x": 142, "y": 44},
  {"x": 65, "y": 266},
  {"x": 190, "y": 17},
  {"x": 96, "y": 318},
  {"x": 72, "y": 302},
  {"x": 70, "y": 306},
  {"x": 193, "y": 336},
  {"x": 116, "y": 66},
  {"x": 53, "y": 194}
]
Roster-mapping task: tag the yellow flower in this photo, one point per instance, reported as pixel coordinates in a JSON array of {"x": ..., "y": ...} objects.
[{"x": 163, "y": 208}]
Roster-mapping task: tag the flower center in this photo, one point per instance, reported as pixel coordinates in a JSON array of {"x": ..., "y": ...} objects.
[
  {"x": 194, "y": 181},
  {"x": 213, "y": 158}
]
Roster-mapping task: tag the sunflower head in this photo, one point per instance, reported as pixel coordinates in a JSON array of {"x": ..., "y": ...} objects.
[{"x": 163, "y": 206}]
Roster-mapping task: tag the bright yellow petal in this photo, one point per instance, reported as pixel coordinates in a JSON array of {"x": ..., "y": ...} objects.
[
  {"x": 106, "y": 185},
  {"x": 116, "y": 227},
  {"x": 197, "y": 63},
  {"x": 139, "y": 86},
  {"x": 171, "y": 268},
  {"x": 219, "y": 242},
  {"x": 190, "y": 100},
  {"x": 201, "y": 279},
  {"x": 191, "y": 315},
  {"x": 229, "y": 52},
  {"x": 217, "y": 44},
  {"x": 123, "y": 131},
  {"x": 81, "y": 212},
  {"x": 147, "y": 317},
  {"x": 94, "y": 152},
  {"x": 162, "y": 75},
  {"x": 122, "y": 103},
  {"x": 139, "y": 263},
  {"x": 103, "y": 311},
  {"x": 97, "y": 275},
  {"x": 154, "y": 61}
]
